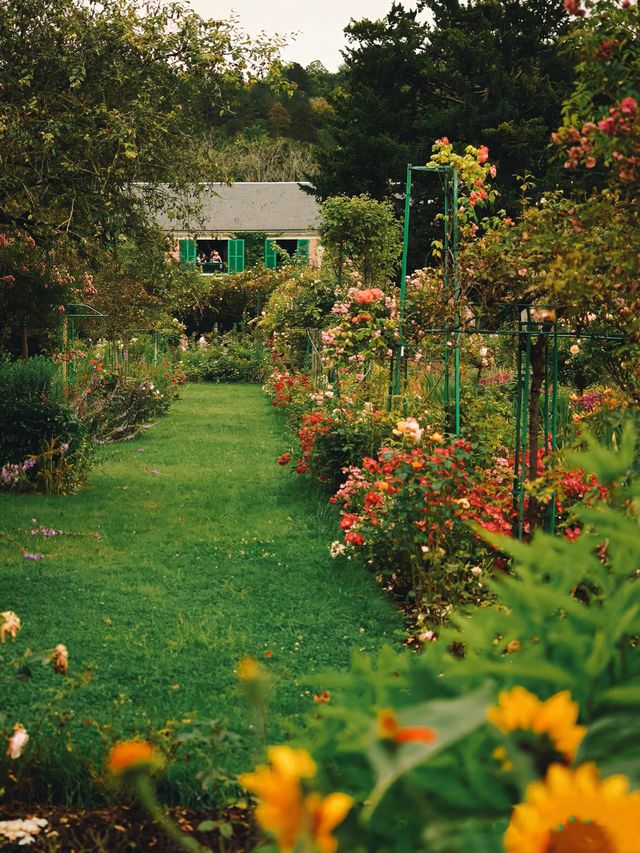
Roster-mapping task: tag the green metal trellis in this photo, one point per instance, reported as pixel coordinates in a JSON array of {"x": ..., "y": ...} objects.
[
  {"x": 78, "y": 309},
  {"x": 536, "y": 334}
]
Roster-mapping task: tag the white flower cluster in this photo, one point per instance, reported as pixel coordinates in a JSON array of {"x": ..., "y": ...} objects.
[{"x": 336, "y": 549}]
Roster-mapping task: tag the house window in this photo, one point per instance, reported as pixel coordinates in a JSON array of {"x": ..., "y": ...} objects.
[
  {"x": 278, "y": 252},
  {"x": 213, "y": 256}
]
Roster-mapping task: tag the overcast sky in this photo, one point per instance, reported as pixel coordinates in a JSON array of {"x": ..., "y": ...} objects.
[{"x": 319, "y": 23}]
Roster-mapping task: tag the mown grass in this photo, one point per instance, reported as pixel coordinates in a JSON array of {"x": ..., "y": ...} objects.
[{"x": 208, "y": 552}]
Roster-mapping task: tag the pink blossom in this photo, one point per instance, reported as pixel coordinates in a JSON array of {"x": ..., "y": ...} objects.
[
  {"x": 483, "y": 154},
  {"x": 17, "y": 741},
  {"x": 628, "y": 106},
  {"x": 607, "y": 125}
]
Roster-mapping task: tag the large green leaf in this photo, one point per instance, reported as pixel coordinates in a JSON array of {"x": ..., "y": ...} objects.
[
  {"x": 452, "y": 719},
  {"x": 613, "y": 742}
]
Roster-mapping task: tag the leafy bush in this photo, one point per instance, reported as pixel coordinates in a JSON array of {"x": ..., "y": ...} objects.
[
  {"x": 236, "y": 358},
  {"x": 532, "y": 700},
  {"x": 114, "y": 407},
  {"x": 226, "y": 300},
  {"x": 33, "y": 410}
]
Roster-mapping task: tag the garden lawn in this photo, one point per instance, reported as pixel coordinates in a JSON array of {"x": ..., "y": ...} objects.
[{"x": 208, "y": 552}]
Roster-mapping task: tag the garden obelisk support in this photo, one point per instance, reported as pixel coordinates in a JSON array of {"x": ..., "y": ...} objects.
[{"x": 399, "y": 355}]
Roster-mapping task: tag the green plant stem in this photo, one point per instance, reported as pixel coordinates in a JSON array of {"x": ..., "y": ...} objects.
[{"x": 147, "y": 797}]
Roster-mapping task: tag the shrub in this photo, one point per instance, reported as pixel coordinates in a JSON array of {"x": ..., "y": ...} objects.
[
  {"x": 436, "y": 749},
  {"x": 33, "y": 410},
  {"x": 236, "y": 358},
  {"x": 114, "y": 407}
]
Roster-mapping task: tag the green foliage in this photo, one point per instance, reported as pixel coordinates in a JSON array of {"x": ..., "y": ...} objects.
[
  {"x": 483, "y": 72},
  {"x": 234, "y": 358},
  {"x": 225, "y": 301},
  {"x": 35, "y": 285},
  {"x": 363, "y": 234},
  {"x": 33, "y": 410},
  {"x": 114, "y": 404},
  {"x": 301, "y": 301},
  {"x": 99, "y": 97},
  {"x": 567, "y": 619},
  {"x": 270, "y": 117}
]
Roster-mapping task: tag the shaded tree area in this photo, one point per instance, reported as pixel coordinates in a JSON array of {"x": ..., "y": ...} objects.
[
  {"x": 491, "y": 73},
  {"x": 298, "y": 107},
  {"x": 273, "y": 128},
  {"x": 105, "y": 109}
]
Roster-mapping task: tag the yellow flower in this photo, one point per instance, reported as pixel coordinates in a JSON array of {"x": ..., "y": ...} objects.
[
  {"x": 284, "y": 811},
  {"x": 248, "y": 669},
  {"x": 325, "y": 814},
  {"x": 278, "y": 788},
  {"x": 132, "y": 754},
  {"x": 572, "y": 811},
  {"x": 518, "y": 709}
]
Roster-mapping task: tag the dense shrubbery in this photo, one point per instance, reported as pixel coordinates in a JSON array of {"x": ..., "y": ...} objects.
[
  {"x": 33, "y": 409},
  {"x": 530, "y": 700},
  {"x": 232, "y": 358},
  {"x": 43, "y": 442},
  {"x": 48, "y": 430}
]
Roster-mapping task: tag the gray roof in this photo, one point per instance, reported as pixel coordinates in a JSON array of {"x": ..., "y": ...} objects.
[{"x": 251, "y": 206}]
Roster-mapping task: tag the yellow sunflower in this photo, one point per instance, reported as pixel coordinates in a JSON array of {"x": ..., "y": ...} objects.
[
  {"x": 520, "y": 710},
  {"x": 573, "y": 811}
]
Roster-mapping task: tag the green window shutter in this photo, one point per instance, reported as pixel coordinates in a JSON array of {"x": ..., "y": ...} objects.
[
  {"x": 270, "y": 257},
  {"x": 187, "y": 252},
  {"x": 235, "y": 258},
  {"x": 302, "y": 251}
]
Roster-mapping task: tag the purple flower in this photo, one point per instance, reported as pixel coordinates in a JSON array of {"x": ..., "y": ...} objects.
[
  {"x": 10, "y": 474},
  {"x": 29, "y": 556},
  {"x": 46, "y": 531},
  {"x": 28, "y": 463},
  {"x": 64, "y": 447}
]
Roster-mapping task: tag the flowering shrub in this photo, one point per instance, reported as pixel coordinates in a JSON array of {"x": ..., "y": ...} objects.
[
  {"x": 608, "y": 75},
  {"x": 516, "y": 742},
  {"x": 366, "y": 330},
  {"x": 114, "y": 406}
]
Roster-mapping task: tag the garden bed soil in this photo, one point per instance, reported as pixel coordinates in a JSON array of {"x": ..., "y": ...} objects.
[{"x": 120, "y": 828}]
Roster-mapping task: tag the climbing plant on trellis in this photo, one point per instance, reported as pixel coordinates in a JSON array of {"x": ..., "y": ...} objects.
[{"x": 534, "y": 331}]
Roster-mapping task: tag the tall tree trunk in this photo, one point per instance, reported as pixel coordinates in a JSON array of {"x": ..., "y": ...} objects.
[
  {"x": 538, "y": 353},
  {"x": 25, "y": 342}
]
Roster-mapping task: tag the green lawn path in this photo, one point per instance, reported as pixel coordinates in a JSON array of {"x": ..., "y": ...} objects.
[{"x": 209, "y": 551}]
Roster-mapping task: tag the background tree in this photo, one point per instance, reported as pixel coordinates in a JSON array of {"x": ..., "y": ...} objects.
[
  {"x": 263, "y": 158},
  {"x": 104, "y": 109},
  {"x": 363, "y": 233},
  {"x": 483, "y": 72}
]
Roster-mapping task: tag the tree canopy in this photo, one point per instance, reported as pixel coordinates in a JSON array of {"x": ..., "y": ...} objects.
[
  {"x": 100, "y": 99},
  {"x": 484, "y": 72}
]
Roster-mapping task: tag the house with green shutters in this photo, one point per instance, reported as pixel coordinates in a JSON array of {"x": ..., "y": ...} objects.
[{"x": 247, "y": 222}]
